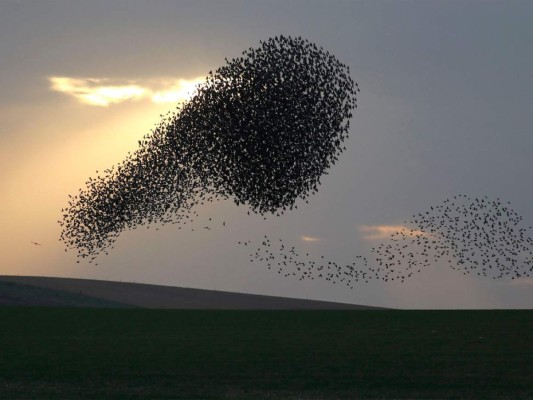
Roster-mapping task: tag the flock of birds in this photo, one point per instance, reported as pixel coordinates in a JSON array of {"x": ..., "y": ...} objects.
[
  {"x": 286, "y": 261},
  {"x": 474, "y": 235},
  {"x": 260, "y": 130}
]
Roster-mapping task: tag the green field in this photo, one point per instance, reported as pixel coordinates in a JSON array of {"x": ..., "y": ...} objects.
[{"x": 67, "y": 353}]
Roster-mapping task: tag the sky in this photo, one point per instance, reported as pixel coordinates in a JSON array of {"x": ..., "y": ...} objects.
[{"x": 444, "y": 109}]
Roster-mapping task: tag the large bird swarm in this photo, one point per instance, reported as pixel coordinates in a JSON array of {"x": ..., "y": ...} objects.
[{"x": 262, "y": 130}]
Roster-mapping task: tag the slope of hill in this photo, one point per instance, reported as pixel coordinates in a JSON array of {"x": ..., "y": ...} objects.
[
  {"x": 47, "y": 291},
  {"x": 18, "y": 294}
]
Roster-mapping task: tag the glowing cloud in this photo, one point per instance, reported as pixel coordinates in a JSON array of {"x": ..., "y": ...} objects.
[
  {"x": 95, "y": 92},
  {"x": 372, "y": 232},
  {"x": 310, "y": 239},
  {"x": 102, "y": 92}
]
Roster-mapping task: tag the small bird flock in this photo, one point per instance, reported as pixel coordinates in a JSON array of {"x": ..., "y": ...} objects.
[
  {"x": 261, "y": 130},
  {"x": 475, "y": 235}
]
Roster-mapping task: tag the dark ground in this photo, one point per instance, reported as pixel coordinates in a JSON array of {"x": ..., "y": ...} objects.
[{"x": 83, "y": 353}]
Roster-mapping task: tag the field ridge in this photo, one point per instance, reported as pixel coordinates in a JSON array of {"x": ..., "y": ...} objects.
[{"x": 128, "y": 294}]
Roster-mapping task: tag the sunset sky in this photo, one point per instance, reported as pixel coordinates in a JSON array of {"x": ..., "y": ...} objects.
[{"x": 445, "y": 108}]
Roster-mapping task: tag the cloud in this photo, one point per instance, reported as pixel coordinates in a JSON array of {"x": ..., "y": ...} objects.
[
  {"x": 96, "y": 92},
  {"x": 373, "y": 232},
  {"x": 310, "y": 239},
  {"x": 104, "y": 92}
]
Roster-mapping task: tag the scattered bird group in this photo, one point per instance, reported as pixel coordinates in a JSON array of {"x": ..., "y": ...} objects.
[
  {"x": 286, "y": 261},
  {"x": 474, "y": 235},
  {"x": 260, "y": 130}
]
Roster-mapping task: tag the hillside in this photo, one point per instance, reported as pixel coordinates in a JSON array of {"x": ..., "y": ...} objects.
[{"x": 48, "y": 291}]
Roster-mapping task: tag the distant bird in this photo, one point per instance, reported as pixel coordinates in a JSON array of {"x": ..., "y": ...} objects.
[{"x": 37, "y": 244}]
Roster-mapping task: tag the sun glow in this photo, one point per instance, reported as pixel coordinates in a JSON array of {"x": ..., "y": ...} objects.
[
  {"x": 58, "y": 166},
  {"x": 180, "y": 91}
]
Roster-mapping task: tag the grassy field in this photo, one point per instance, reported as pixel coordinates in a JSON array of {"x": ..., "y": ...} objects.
[{"x": 67, "y": 353}]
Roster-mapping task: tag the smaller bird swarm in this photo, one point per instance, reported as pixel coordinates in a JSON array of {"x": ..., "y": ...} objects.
[
  {"x": 474, "y": 235},
  {"x": 261, "y": 130}
]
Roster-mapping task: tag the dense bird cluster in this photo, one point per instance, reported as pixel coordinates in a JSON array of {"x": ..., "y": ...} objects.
[
  {"x": 474, "y": 235},
  {"x": 261, "y": 130}
]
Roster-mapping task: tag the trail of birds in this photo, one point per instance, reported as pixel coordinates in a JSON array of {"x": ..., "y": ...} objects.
[
  {"x": 475, "y": 235},
  {"x": 261, "y": 130},
  {"x": 286, "y": 261}
]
